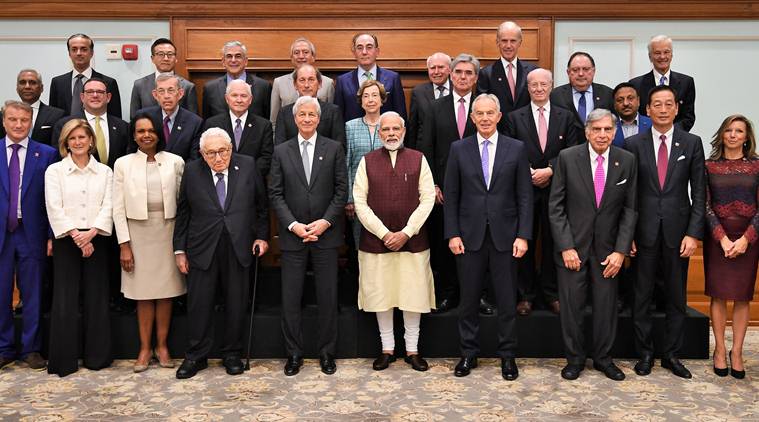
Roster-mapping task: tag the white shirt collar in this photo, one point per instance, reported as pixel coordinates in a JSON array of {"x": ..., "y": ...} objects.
[
  {"x": 656, "y": 134},
  {"x": 173, "y": 115},
  {"x": 234, "y": 118},
  {"x": 89, "y": 116},
  {"x": 157, "y": 73},
  {"x": 92, "y": 165},
  {"x": 505, "y": 64},
  {"x": 311, "y": 141},
  {"x": 493, "y": 138},
  {"x": 373, "y": 71},
  {"x": 657, "y": 76},
  {"x": 535, "y": 107},
  {"x": 589, "y": 90},
  {"x": 457, "y": 97},
  {"x": 35, "y": 105},
  {"x": 594, "y": 154},
  {"x": 87, "y": 74},
  {"x": 24, "y": 142}
]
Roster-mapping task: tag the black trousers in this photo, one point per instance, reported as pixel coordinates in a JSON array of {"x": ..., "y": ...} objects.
[
  {"x": 674, "y": 275},
  {"x": 472, "y": 268},
  {"x": 225, "y": 271},
  {"x": 324, "y": 262},
  {"x": 539, "y": 278},
  {"x": 441, "y": 258},
  {"x": 73, "y": 274},
  {"x": 573, "y": 288}
]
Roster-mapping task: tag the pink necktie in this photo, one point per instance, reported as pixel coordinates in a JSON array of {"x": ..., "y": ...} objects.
[
  {"x": 461, "y": 118},
  {"x": 599, "y": 180},
  {"x": 542, "y": 130},
  {"x": 661, "y": 161},
  {"x": 512, "y": 83}
]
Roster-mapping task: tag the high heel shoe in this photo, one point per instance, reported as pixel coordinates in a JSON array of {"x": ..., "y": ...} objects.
[
  {"x": 734, "y": 372},
  {"x": 163, "y": 363},
  {"x": 140, "y": 367},
  {"x": 720, "y": 372}
]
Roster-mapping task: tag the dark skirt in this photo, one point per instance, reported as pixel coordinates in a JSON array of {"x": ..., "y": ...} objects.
[{"x": 730, "y": 279}]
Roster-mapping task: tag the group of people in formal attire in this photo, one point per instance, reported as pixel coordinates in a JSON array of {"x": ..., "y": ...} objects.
[{"x": 495, "y": 187}]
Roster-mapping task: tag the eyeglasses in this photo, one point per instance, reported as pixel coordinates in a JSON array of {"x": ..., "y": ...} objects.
[
  {"x": 170, "y": 91},
  {"x": 223, "y": 153},
  {"x": 165, "y": 55},
  {"x": 94, "y": 92}
]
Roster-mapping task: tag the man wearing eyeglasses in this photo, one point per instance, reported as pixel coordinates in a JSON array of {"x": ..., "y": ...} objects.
[{"x": 163, "y": 53}]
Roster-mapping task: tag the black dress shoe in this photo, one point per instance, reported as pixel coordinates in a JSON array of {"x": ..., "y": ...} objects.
[
  {"x": 234, "y": 365},
  {"x": 676, "y": 367},
  {"x": 465, "y": 366},
  {"x": 328, "y": 365},
  {"x": 644, "y": 365},
  {"x": 293, "y": 364},
  {"x": 611, "y": 371},
  {"x": 190, "y": 368},
  {"x": 417, "y": 362},
  {"x": 383, "y": 361},
  {"x": 571, "y": 371},
  {"x": 509, "y": 370},
  {"x": 445, "y": 305},
  {"x": 485, "y": 307},
  {"x": 4, "y": 361}
]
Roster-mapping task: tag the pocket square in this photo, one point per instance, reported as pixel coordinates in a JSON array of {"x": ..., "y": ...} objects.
[
  {"x": 622, "y": 182},
  {"x": 682, "y": 157},
  {"x": 45, "y": 127}
]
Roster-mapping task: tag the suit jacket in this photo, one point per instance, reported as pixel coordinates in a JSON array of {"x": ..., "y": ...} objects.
[
  {"x": 603, "y": 97},
  {"x": 61, "y": 87},
  {"x": 185, "y": 133},
  {"x": 439, "y": 132},
  {"x": 256, "y": 140},
  {"x": 685, "y": 89},
  {"x": 678, "y": 213},
  {"x": 562, "y": 133},
  {"x": 324, "y": 197},
  {"x": 130, "y": 188},
  {"x": 644, "y": 124},
  {"x": 346, "y": 87},
  {"x": 119, "y": 137},
  {"x": 283, "y": 93},
  {"x": 36, "y": 228},
  {"x": 492, "y": 80},
  {"x": 201, "y": 220},
  {"x": 331, "y": 124},
  {"x": 422, "y": 97},
  {"x": 214, "y": 102},
  {"x": 576, "y": 221},
  {"x": 43, "y": 125},
  {"x": 142, "y": 94},
  {"x": 471, "y": 208}
]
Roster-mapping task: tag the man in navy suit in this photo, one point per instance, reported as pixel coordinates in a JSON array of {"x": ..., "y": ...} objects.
[
  {"x": 365, "y": 48},
  {"x": 626, "y": 103},
  {"x": 488, "y": 221},
  {"x": 25, "y": 241}
]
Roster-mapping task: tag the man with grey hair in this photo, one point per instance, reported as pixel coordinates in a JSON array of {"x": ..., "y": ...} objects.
[
  {"x": 251, "y": 134},
  {"x": 592, "y": 209},
  {"x": 29, "y": 88},
  {"x": 394, "y": 194},
  {"x": 284, "y": 91},
  {"x": 222, "y": 221},
  {"x": 234, "y": 59},
  {"x": 660, "y": 55},
  {"x": 439, "y": 85}
]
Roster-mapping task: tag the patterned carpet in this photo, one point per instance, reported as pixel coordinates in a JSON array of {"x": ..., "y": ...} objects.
[{"x": 356, "y": 392}]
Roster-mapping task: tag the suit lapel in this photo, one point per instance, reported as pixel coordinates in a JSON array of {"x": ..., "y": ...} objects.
[
  {"x": 232, "y": 176},
  {"x": 647, "y": 149},
  {"x": 521, "y": 80},
  {"x": 4, "y": 166},
  {"x": 612, "y": 174},
  {"x": 30, "y": 165},
  {"x": 298, "y": 162},
  {"x": 176, "y": 130},
  {"x": 501, "y": 83},
  {"x": 316, "y": 161},
  {"x": 584, "y": 168},
  {"x": 247, "y": 129},
  {"x": 501, "y": 152},
  {"x": 474, "y": 155},
  {"x": 553, "y": 140},
  {"x": 675, "y": 152},
  {"x": 208, "y": 182}
]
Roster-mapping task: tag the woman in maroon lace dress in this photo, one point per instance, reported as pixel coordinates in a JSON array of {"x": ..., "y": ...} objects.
[{"x": 730, "y": 249}]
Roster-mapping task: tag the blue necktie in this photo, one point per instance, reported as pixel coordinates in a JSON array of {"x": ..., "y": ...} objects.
[
  {"x": 582, "y": 107},
  {"x": 238, "y": 134},
  {"x": 662, "y": 80},
  {"x": 221, "y": 190},
  {"x": 14, "y": 177},
  {"x": 486, "y": 162}
]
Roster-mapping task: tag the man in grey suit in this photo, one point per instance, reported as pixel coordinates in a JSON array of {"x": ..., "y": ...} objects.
[
  {"x": 308, "y": 190},
  {"x": 234, "y": 58},
  {"x": 163, "y": 53},
  {"x": 592, "y": 214},
  {"x": 439, "y": 72},
  {"x": 29, "y": 88}
]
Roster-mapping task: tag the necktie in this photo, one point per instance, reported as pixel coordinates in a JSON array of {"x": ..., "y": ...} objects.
[
  {"x": 663, "y": 80},
  {"x": 306, "y": 162},
  {"x": 512, "y": 82},
  {"x": 542, "y": 129},
  {"x": 461, "y": 118},
  {"x": 486, "y": 162},
  {"x": 166, "y": 130},
  {"x": 221, "y": 189},
  {"x": 76, "y": 100},
  {"x": 599, "y": 180},
  {"x": 238, "y": 133},
  {"x": 661, "y": 161},
  {"x": 441, "y": 91},
  {"x": 582, "y": 107},
  {"x": 14, "y": 173},
  {"x": 368, "y": 76},
  {"x": 100, "y": 141}
]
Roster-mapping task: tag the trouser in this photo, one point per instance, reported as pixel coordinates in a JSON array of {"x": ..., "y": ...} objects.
[
  {"x": 539, "y": 278},
  {"x": 410, "y": 325}
]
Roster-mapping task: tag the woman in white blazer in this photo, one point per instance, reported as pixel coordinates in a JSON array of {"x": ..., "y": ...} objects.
[{"x": 145, "y": 186}]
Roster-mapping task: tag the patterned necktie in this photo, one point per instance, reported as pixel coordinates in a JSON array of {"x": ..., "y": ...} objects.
[
  {"x": 76, "y": 99},
  {"x": 542, "y": 129},
  {"x": 306, "y": 161},
  {"x": 661, "y": 161},
  {"x": 166, "y": 129},
  {"x": 14, "y": 173},
  {"x": 100, "y": 141},
  {"x": 461, "y": 118},
  {"x": 486, "y": 162},
  {"x": 663, "y": 80},
  {"x": 238, "y": 133},
  {"x": 512, "y": 82},
  {"x": 441, "y": 91},
  {"x": 221, "y": 189},
  {"x": 368, "y": 76},
  {"x": 582, "y": 107},
  {"x": 599, "y": 180}
]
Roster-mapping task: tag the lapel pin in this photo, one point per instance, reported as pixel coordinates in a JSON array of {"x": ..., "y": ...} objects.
[
  {"x": 179, "y": 127},
  {"x": 561, "y": 137},
  {"x": 616, "y": 163},
  {"x": 677, "y": 144},
  {"x": 250, "y": 124},
  {"x": 499, "y": 79},
  {"x": 598, "y": 98},
  {"x": 237, "y": 168},
  {"x": 36, "y": 154},
  {"x": 321, "y": 158},
  {"x": 114, "y": 128}
]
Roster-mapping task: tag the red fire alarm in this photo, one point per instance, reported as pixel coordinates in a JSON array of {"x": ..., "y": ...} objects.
[{"x": 129, "y": 51}]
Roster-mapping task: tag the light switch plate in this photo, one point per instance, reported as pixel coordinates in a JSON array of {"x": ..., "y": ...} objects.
[{"x": 112, "y": 52}]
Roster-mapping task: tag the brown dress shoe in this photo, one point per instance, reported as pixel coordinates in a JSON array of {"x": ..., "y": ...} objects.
[
  {"x": 555, "y": 307},
  {"x": 417, "y": 362},
  {"x": 35, "y": 361},
  {"x": 6, "y": 361},
  {"x": 524, "y": 308},
  {"x": 383, "y": 361}
]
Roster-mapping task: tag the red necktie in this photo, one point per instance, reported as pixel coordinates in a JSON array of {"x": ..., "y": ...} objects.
[{"x": 661, "y": 161}]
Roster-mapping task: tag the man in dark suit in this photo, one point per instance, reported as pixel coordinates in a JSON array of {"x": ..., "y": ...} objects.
[
  {"x": 488, "y": 221},
  {"x": 581, "y": 95},
  {"x": 365, "y": 48},
  {"x": 181, "y": 128},
  {"x": 660, "y": 54},
  {"x": 592, "y": 216},
  {"x": 234, "y": 58},
  {"x": 546, "y": 129},
  {"x": 307, "y": 81},
  {"x": 222, "y": 218},
  {"x": 631, "y": 122},
  {"x": 163, "y": 53},
  {"x": 24, "y": 228},
  {"x": 251, "y": 134},
  {"x": 308, "y": 192},
  {"x": 29, "y": 88},
  {"x": 65, "y": 89},
  {"x": 438, "y": 71},
  {"x": 670, "y": 160},
  {"x": 506, "y": 78}
]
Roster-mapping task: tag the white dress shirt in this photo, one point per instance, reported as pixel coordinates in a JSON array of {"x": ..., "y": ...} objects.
[
  {"x": 21, "y": 160},
  {"x": 310, "y": 143},
  {"x": 172, "y": 118},
  {"x": 467, "y": 99},
  {"x": 657, "y": 77},
  {"x": 593, "y": 163},
  {"x": 103, "y": 125},
  {"x": 505, "y": 64},
  {"x": 362, "y": 77},
  {"x": 656, "y": 134},
  {"x": 589, "y": 103},
  {"x": 536, "y": 114},
  {"x": 446, "y": 89},
  {"x": 491, "y": 153},
  {"x": 87, "y": 76},
  {"x": 233, "y": 118},
  {"x": 35, "y": 112}
]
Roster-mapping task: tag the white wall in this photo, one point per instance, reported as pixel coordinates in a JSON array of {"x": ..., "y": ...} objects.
[
  {"x": 721, "y": 56},
  {"x": 41, "y": 45}
]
